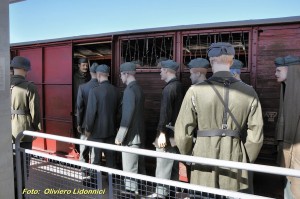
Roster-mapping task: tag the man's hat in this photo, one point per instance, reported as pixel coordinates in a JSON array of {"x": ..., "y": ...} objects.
[
  {"x": 21, "y": 62},
  {"x": 169, "y": 64},
  {"x": 103, "y": 68},
  {"x": 161, "y": 59},
  {"x": 93, "y": 67},
  {"x": 237, "y": 64},
  {"x": 220, "y": 48},
  {"x": 287, "y": 61},
  {"x": 127, "y": 66},
  {"x": 82, "y": 60},
  {"x": 198, "y": 63}
]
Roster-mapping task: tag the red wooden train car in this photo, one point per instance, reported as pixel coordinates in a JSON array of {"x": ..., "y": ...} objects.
[{"x": 257, "y": 44}]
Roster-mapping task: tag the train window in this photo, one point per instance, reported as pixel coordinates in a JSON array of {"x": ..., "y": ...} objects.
[
  {"x": 100, "y": 52},
  {"x": 196, "y": 45},
  {"x": 147, "y": 51}
]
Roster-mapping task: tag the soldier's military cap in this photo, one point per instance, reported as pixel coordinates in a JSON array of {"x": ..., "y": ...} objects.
[
  {"x": 237, "y": 64},
  {"x": 21, "y": 62},
  {"x": 83, "y": 60},
  {"x": 161, "y": 59},
  {"x": 103, "y": 68},
  {"x": 127, "y": 66},
  {"x": 220, "y": 48},
  {"x": 137, "y": 62},
  {"x": 93, "y": 67},
  {"x": 287, "y": 61},
  {"x": 169, "y": 64},
  {"x": 198, "y": 63}
]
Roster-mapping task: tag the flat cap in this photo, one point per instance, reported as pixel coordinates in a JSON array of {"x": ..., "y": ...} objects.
[
  {"x": 220, "y": 48},
  {"x": 21, "y": 62},
  {"x": 169, "y": 64},
  {"x": 287, "y": 61},
  {"x": 198, "y": 63},
  {"x": 237, "y": 64},
  {"x": 93, "y": 67},
  {"x": 82, "y": 60},
  {"x": 127, "y": 66},
  {"x": 103, "y": 68}
]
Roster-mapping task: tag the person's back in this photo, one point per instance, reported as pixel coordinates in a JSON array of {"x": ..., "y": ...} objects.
[
  {"x": 25, "y": 109},
  {"x": 82, "y": 97},
  {"x": 136, "y": 131},
  {"x": 24, "y": 104},
  {"x": 102, "y": 110},
  {"x": 228, "y": 116}
]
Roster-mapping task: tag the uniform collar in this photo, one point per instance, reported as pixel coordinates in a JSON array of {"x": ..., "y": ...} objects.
[
  {"x": 104, "y": 82},
  {"x": 172, "y": 80},
  {"x": 222, "y": 74},
  {"x": 131, "y": 83}
]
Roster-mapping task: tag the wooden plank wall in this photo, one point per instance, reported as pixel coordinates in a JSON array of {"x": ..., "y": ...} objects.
[{"x": 273, "y": 41}]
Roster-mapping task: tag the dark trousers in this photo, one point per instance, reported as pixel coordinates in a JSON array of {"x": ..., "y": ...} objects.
[{"x": 110, "y": 156}]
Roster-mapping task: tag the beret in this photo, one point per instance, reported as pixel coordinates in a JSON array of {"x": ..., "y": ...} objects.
[
  {"x": 83, "y": 60},
  {"x": 287, "y": 61},
  {"x": 169, "y": 64},
  {"x": 198, "y": 63},
  {"x": 237, "y": 64},
  {"x": 220, "y": 48},
  {"x": 21, "y": 62},
  {"x": 93, "y": 67},
  {"x": 103, "y": 68},
  {"x": 127, "y": 66}
]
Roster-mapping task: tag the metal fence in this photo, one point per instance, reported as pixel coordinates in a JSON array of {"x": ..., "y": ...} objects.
[{"x": 49, "y": 176}]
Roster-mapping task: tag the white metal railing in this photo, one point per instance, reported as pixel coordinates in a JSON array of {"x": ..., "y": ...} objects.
[{"x": 183, "y": 158}]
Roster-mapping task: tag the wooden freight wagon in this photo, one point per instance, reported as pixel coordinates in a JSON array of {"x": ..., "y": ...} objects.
[{"x": 257, "y": 44}]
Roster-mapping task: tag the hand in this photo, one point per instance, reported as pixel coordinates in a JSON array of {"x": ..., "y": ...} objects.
[
  {"x": 161, "y": 141},
  {"x": 87, "y": 134},
  {"x": 117, "y": 142},
  {"x": 79, "y": 129}
]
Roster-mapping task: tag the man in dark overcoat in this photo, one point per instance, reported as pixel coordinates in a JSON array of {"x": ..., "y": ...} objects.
[
  {"x": 132, "y": 128},
  {"x": 82, "y": 100},
  {"x": 101, "y": 116},
  {"x": 171, "y": 99}
]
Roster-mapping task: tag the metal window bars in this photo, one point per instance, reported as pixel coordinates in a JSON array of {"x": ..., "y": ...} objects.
[
  {"x": 196, "y": 45},
  {"x": 151, "y": 48}
]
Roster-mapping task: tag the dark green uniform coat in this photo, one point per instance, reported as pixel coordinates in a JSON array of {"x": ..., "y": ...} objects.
[
  {"x": 202, "y": 109},
  {"x": 24, "y": 96}
]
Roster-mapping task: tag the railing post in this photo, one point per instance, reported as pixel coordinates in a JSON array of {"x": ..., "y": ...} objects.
[{"x": 18, "y": 164}]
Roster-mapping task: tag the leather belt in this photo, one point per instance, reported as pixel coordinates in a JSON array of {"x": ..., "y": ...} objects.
[
  {"x": 20, "y": 112},
  {"x": 219, "y": 133}
]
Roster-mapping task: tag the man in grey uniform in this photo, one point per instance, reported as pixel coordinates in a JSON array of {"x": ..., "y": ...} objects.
[
  {"x": 132, "y": 130},
  {"x": 82, "y": 100},
  {"x": 101, "y": 113}
]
